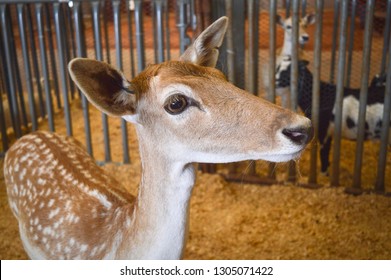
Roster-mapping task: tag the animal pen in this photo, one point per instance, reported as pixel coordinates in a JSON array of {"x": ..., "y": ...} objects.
[
  {"x": 348, "y": 46},
  {"x": 40, "y": 37}
]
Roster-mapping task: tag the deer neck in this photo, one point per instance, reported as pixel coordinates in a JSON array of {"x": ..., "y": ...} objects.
[
  {"x": 162, "y": 207},
  {"x": 287, "y": 46}
]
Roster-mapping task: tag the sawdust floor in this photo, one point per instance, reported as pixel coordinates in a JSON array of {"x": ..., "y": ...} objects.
[{"x": 242, "y": 221}]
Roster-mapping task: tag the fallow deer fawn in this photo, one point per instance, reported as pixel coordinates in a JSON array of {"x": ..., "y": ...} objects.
[
  {"x": 286, "y": 51},
  {"x": 185, "y": 111}
]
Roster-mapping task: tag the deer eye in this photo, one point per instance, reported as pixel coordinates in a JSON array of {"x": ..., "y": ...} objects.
[
  {"x": 288, "y": 27},
  {"x": 176, "y": 104}
]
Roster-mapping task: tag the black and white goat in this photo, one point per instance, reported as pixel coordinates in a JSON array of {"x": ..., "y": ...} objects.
[{"x": 374, "y": 111}]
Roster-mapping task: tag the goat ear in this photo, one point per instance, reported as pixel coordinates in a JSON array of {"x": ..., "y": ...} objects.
[
  {"x": 204, "y": 50},
  {"x": 104, "y": 86},
  {"x": 279, "y": 20},
  {"x": 309, "y": 19}
]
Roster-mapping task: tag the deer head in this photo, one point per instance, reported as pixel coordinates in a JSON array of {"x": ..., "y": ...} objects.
[
  {"x": 189, "y": 108},
  {"x": 286, "y": 24}
]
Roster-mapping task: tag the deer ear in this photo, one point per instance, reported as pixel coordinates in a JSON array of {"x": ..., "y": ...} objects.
[
  {"x": 309, "y": 19},
  {"x": 204, "y": 50},
  {"x": 104, "y": 86},
  {"x": 279, "y": 20}
]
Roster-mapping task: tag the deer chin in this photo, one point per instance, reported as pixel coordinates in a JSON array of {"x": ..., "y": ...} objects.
[{"x": 282, "y": 157}]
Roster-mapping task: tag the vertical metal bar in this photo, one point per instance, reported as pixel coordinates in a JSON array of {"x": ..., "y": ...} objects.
[
  {"x": 14, "y": 57},
  {"x": 138, "y": 18},
  {"x": 106, "y": 33},
  {"x": 339, "y": 97},
  {"x": 351, "y": 42},
  {"x": 130, "y": 37},
  {"x": 117, "y": 33},
  {"x": 252, "y": 62},
  {"x": 27, "y": 68},
  {"x": 66, "y": 35},
  {"x": 160, "y": 32},
  {"x": 44, "y": 62},
  {"x": 363, "y": 93},
  {"x": 70, "y": 46},
  {"x": 287, "y": 8},
  {"x": 252, "y": 46},
  {"x": 167, "y": 27},
  {"x": 16, "y": 69},
  {"x": 316, "y": 91},
  {"x": 62, "y": 66},
  {"x": 34, "y": 57},
  {"x": 182, "y": 24},
  {"x": 238, "y": 28},
  {"x": 52, "y": 56},
  {"x": 271, "y": 94},
  {"x": 99, "y": 56},
  {"x": 118, "y": 48},
  {"x": 386, "y": 36},
  {"x": 3, "y": 126},
  {"x": 334, "y": 45},
  {"x": 80, "y": 53},
  {"x": 294, "y": 73},
  {"x": 230, "y": 43},
  {"x": 303, "y": 7},
  {"x": 384, "y": 138},
  {"x": 153, "y": 13},
  {"x": 11, "y": 79}
]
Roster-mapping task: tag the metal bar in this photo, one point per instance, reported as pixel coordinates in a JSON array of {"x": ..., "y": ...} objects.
[
  {"x": 159, "y": 28},
  {"x": 238, "y": 20},
  {"x": 153, "y": 13},
  {"x": 52, "y": 56},
  {"x": 334, "y": 45},
  {"x": 252, "y": 47},
  {"x": 11, "y": 79},
  {"x": 303, "y": 7},
  {"x": 287, "y": 8},
  {"x": 312, "y": 179},
  {"x": 99, "y": 56},
  {"x": 294, "y": 73},
  {"x": 384, "y": 138},
  {"x": 351, "y": 42},
  {"x": 167, "y": 27},
  {"x": 130, "y": 37},
  {"x": 62, "y": 66},
  {"x": 386, "y": 36},
  {"x": 339, "y": 97},
  {"x": 44, "y": 63},
  {"x": 106, "y": 33},
  {"x": 3, "y": 125},
  {"x": 27, "y": 68},
  {"x": 80, "y": 53},
  {"x": 14, "y": 57},
  {"x": 70, "y": 40},
  {"x": 271, "y": 94},
  {"x": 66, "y": 22},
  {"x": 230, "y": 43},
  {"x": 34, "y": 57},
  {"x": 138, "y": 18},
  {"x": 182, "y": 24},
  {"x": 363, "y": 93},
  {"x": 118, "y": 48},
  {"x": 252, "y": 62}
]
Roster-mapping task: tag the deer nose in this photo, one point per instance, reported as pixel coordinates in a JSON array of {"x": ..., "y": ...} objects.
[
  {"x": 299, "y": 135},
  {"x": 305, "y": 38}
]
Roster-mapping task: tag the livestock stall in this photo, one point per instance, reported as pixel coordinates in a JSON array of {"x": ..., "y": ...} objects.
[{"x": 347, "y": 45}]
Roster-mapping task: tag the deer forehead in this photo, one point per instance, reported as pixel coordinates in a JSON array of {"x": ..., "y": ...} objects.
[{"x": 163, "y": 80}]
